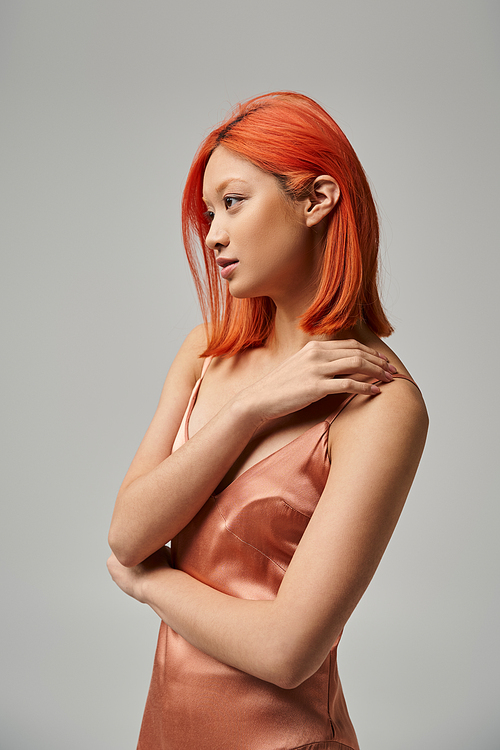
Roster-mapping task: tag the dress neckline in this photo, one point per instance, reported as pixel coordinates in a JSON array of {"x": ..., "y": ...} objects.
[{"x": 325, "y": 424}]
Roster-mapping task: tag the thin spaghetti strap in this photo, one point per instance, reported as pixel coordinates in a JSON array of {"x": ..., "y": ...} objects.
[
  {"x": 348, "y": 400},
  {"x": 403, "y": 377},
  {"x": 194, "y": 396},
  {"x": 340, "y": 408},
  {"x": 205, "y": 367}
]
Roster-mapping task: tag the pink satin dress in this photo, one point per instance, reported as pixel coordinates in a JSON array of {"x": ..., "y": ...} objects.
[{"x": 241, "y": 543}]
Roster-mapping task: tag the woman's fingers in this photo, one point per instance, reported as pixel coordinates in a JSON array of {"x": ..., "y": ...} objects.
[
  {"x": 341, "y": 348},
  {"x": 350, "y": 385},
  {"x": 346, "y": 349},
  {"x": 319, "y": 369},
  {"x": 346, "y": 366},
  {"x": 335, "y": 359},
  {"x": 343, "y": 345},
  {"x": 357, "y": 366}
]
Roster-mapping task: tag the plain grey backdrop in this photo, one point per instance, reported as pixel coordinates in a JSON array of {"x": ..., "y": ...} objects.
[{"x": 103, "y": 105}]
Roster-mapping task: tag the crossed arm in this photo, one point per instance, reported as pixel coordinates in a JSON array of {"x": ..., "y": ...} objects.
[{"x": 375, "y": 446}]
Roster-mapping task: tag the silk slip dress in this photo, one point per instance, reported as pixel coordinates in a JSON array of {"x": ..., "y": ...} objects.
[{"x": 240, "y": 543}]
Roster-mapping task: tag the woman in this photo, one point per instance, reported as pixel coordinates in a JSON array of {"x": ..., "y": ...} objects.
[{"x": 285, "y": 442}]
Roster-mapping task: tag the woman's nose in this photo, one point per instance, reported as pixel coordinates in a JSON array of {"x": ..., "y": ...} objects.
[{"x": 217, "y": 237}]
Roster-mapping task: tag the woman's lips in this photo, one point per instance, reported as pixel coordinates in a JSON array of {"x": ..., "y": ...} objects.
[{"x": 227, "y": 266}]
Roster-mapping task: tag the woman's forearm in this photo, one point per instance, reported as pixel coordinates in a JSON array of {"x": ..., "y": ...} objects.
[
  {"x": 156, "y": 506},
  {"x": 249, "y": 635}
]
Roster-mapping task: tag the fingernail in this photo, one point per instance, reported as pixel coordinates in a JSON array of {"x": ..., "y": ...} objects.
[
  {"x": 392, "y": 368},
  {"x": 388, "y": 376},
  {"x": 375, "y": 389}
]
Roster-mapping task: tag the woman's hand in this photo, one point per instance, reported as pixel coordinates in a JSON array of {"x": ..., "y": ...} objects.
[
  {"x": 319, "y": 369},
  {"x": 131, "y": 580}
]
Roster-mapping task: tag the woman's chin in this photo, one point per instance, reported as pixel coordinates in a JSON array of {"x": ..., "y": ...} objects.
[{"x": 238, "y": 291}]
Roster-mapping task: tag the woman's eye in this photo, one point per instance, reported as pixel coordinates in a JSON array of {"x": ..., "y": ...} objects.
[
  {"x": 208, "y": 216},
  {"x": 230, "y": 201}
]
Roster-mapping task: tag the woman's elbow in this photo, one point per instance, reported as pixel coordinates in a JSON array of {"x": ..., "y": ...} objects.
[
  {"x": 122, "y": 549},
  {"x": 290, "y": 668},
  {"x": 287, "y": 680},
  {"x": 289, "y": 676}
]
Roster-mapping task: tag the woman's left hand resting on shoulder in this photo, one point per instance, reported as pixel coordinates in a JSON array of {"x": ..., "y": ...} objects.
[{"x": 376, "y": 446}]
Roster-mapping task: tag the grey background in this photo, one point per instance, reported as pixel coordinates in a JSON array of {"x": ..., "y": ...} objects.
[{"x": 103, "y": 105}]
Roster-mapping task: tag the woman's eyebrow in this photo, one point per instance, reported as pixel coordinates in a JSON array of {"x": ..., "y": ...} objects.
[{"x": 223, "y": 185}]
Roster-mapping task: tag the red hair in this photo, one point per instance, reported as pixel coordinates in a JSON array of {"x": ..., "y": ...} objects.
[{"x": 290, "y": 136}]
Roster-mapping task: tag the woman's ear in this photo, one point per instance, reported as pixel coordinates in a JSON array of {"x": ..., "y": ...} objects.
[{"x": 324, "y": 195}]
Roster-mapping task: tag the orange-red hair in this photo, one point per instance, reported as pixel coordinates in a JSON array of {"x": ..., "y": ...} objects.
[{"x": 290, "y": 136}]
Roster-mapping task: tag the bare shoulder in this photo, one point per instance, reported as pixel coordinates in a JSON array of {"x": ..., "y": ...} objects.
[
  {"x": 400, "y": 405},
  {"x": 395, "y": 421},
  {"x": 186, "y": 367},
  {"x": 182, "y": 376},
  {"x": 189, "y": 355}
]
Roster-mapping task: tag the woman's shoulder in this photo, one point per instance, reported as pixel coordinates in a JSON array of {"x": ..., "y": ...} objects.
[
  {"x": 403, "y": 394},
  {"x": 399, "y": 407},
  {"x": 399, "y": 410},
  {"x": 189, "y": 357}
]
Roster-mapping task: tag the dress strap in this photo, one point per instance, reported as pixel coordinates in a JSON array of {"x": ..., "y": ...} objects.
[
  {"x": 403, "y": 377},
  {"x": 349, "y": 398},
  {"x": 205, "y": 367},
  {"x": 194, "y": 396}
]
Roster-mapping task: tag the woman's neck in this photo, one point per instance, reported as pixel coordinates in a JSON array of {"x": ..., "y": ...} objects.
[{"x": 288, "y": 338}]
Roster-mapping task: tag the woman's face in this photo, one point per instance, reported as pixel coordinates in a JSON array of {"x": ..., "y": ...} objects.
[{"x": 260, "y": 238}]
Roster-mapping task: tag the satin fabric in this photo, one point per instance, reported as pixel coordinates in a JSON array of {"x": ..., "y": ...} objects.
[{"x": 241, "y": 543}]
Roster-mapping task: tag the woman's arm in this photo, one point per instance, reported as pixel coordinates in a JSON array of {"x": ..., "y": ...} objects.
[
  {"x": 163, "y": 491},
  {"x": 376, "y": 446}
]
